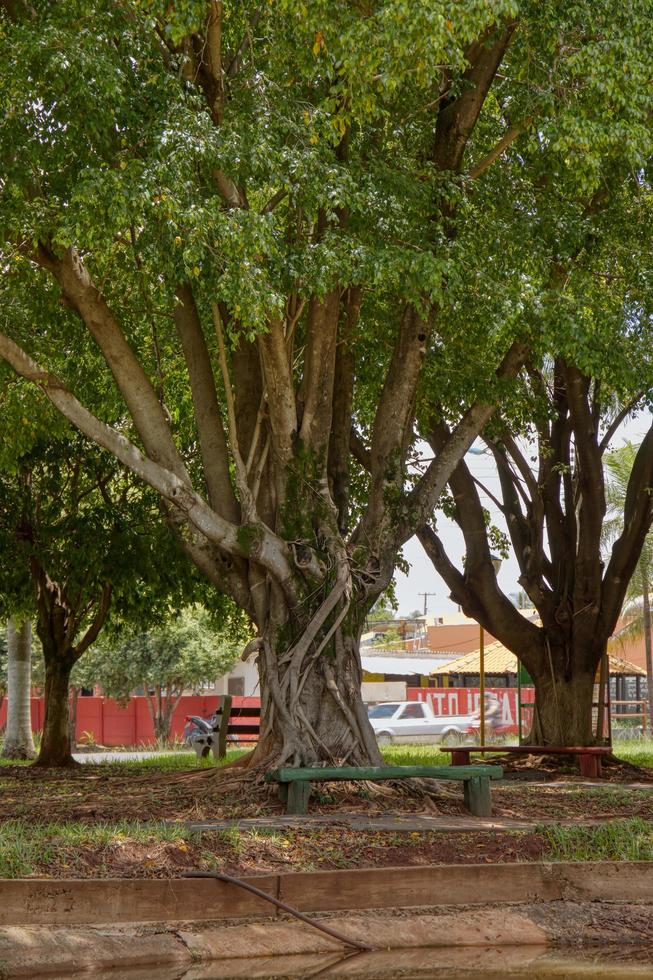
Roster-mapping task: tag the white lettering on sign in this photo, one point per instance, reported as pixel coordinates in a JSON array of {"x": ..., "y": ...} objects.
[{"x": 447, "y": 701}]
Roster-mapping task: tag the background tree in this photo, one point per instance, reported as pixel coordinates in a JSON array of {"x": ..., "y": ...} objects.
[
  {"x": 637, "y": 607},
  {"x": 587, "y": 301},
  {"x": 76, "y": 536},
  {"x": 18, "y": 742},
  {"x": 185, "y": 651},
  {"x": 283, "y": 221},
  {"x": 554, "y": 514}
]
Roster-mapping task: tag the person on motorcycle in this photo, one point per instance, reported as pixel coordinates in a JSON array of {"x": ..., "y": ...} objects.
[{"x": 493, "y": 712}]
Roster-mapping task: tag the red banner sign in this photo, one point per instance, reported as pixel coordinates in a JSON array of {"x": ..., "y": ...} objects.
[{"x": 466, "y": 701}]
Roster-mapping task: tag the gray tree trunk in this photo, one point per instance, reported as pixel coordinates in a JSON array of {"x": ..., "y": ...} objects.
[{"x": 18, "y": 743}]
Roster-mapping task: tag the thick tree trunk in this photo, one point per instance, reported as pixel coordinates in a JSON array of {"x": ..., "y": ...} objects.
[
  {"x": 312, "y": 710},
  {"x": 56, "y": 747},
  {"x": 18, "y": 742},
  {"x": 563, "y": 704}
]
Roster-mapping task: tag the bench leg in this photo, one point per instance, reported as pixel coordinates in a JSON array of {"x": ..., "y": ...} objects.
[
  {"x": 460, "y": 757},
  {"x": 590, "y": 766},
  {"x": 282, "y": 792},
  {"x": 299, "y": 793},
  {"x": 477, "y": 796}
]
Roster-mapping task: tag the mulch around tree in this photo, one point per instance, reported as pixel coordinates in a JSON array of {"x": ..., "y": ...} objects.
[
  {"x": 89, "y": 794},
  {"x": 556, "y": 767}
]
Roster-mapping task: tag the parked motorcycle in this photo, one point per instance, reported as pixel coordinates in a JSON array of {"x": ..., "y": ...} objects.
[{"x": 201, "y": 734}]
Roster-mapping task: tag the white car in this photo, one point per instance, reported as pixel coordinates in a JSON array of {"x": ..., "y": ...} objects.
[{"x": 414, "y": 721}]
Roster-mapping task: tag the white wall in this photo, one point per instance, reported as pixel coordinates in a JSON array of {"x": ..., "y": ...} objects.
[
  {"x": 383, "y": 691},
  {"x": 248, "y": 670}
]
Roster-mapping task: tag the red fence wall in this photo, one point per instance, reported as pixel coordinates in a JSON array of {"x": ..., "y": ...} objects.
[
  {"x": 466, "y": 701},
  {"x": 112, "y": 724}
]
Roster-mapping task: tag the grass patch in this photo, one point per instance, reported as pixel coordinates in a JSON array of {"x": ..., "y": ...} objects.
[
  {"x": 24, "y": 848},
  {"x": 415, "y": 755},
  {"x": 173, "y": 762},
  {"x": 618, "y": 840},
  {"x": 639, "y": 752}
]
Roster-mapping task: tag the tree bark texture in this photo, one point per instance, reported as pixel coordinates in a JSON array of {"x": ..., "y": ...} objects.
[
  {"x": 56, "y": 746},
  {"x": 564, "y": 696},
  {"x": 18, "y": 741},
  {"x": 311, "y": 687}
]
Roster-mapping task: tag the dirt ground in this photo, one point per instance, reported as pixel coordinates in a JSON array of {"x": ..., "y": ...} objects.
[{"x": 91, "y": 797}]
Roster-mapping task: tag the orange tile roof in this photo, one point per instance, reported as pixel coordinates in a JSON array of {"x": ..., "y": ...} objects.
[{"x": 500, "y": 660}]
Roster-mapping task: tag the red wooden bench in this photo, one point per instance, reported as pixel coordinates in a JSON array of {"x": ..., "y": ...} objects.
[{"x": 589, "y": 756}]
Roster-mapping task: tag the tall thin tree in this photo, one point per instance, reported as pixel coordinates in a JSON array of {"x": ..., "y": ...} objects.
[{"x": 18, "y": 741}]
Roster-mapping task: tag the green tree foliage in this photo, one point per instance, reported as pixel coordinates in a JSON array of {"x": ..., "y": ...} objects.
[
  {"x": 78, "y": 537},
  {"x": 390, "y": 638},
  {"x": 182, "y": 652},
  {"x": 274, "y": 223}
]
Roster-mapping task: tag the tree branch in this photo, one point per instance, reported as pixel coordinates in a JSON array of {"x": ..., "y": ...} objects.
[
  {"x": 638, "y": 518},
  {"x": 247, "y": 501},
  {"x": 135, "y": 386},
  {"x": 319, "y": 371},
  {"x": 486, "y": 162},
  {"x": 281, "y": 393},
  {"x": 591, "y": 504},
  {"x": 494, "y": 612},
  {"x": 343, "y": 395},
  {"x": 458, "y": 115},
  {"x": 617, "y": 420},
  {"x": 99, "y": 620},
  {"x": 213, "y": 444},
  {"x": 259, "y": 543},
  {"x": 427, "y": 491}
]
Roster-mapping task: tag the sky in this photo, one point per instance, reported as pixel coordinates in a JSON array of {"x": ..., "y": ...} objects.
[{"x": 423, "y": 577}]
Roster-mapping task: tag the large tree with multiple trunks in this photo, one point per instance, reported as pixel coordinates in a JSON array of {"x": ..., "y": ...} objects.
[
  {"x": 549, "y": 446},
  {"x": 264, "y": 216}
]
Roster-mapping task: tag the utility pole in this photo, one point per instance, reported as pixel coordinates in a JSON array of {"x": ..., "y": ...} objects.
[{"x": 426, "y": 595}]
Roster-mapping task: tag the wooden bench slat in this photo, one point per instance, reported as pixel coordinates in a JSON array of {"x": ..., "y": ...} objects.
[
  {"x": 587, "y": 756},
  {"x": 532, "y": 749},
  {"x": 295, "y": 784},
  {"x": 374, "y": 773}
]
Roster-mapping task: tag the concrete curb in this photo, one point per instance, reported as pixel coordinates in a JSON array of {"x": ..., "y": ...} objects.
[
  {"x": 241, "y": 948},
  {"x": 69, "y": 903},
  {"x": 39, "y": 951}
]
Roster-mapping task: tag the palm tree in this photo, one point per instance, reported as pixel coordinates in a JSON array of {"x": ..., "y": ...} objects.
[
  {"x": 18, "y": 742},
  {"x": 637, "y": 605}
]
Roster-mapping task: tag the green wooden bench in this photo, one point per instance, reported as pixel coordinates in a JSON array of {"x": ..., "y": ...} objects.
[{"x": 295, "y": 784}]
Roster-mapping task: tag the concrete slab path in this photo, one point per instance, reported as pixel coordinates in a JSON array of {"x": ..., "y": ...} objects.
[{"x": 387, "y": 822}]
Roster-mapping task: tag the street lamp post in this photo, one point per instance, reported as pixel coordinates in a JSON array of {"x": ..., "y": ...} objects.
[{"x": 496, "y": 564}]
